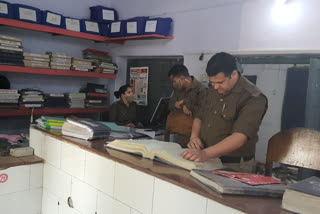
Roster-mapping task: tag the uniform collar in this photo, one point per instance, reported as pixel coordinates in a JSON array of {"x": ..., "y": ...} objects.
[
  {"x": 194, "y": 83},
  {"x": 239, "y": 85}
]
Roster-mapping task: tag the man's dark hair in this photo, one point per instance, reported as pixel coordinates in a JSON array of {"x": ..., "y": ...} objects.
[
  {"x": 178, "y": 70},
  {"x": 221, "y": 62}
]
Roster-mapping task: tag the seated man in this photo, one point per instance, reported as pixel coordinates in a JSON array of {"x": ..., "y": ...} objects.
[
  {"x": 184, "y": 102},
  {"x": 229, "y": 117}
]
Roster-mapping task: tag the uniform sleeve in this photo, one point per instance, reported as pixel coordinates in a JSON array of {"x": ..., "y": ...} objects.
[
  {"x": 199, "y": 110},
  {"x": 172, "y": 101},
  {"x": 250, "y": 117},
  {"x": 113, "y": 113}
]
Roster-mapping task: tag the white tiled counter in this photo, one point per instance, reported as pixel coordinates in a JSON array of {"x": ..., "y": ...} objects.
[
  {"x": 20, "y": 185},
  {"x": 97, "y": 181}
]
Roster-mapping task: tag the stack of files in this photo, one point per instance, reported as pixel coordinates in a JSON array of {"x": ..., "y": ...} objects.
[
  {"x": 85, "y": 128},
  {"x": 31, "y": 98},
  {"x": 240, "y": 183},
  {"x": 36, "y": 60},
  {"x": 97, "y": 100},
  {"x": 100, "y": 56},
  {"x": 82, "y": 65},
  {"x": 106, "y": 68},
  {"x": 9, "y": 98},
  {"x": 56, "y": 101},
  {"x": 303, "y": 196},
  {"x": 52, "y": 123},
  {"x": 60, "y": 61},
  {"x": 96, "y": 96},
  {"x": 11, "y": 52},
  {"x": 76, "y": 100}
]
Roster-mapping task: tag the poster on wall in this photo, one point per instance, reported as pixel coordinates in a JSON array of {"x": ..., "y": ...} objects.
[{"x": 139, "y": 83}]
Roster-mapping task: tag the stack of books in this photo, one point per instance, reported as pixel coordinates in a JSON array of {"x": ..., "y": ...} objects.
[
  {"x": 9, "y": 98},
  {"x": 106, "y": 68},
  {"x": 56, "y": 101},
  {"x": 11, "y": 52},
  {"x": 103, "y": 62},
  {"x": 60, "y": 61},
  {"x": 303, "y": 196},
  {"x": 82, "y": 65},
  {"x": 76, "y": 100},
  {"x": 97, "y": 96},
  {"x": 31, "y": 98},
  {"x": 52, "y": 123},
  {"x": 36, "y": 60},
  {"x": 85, "y": 128}
]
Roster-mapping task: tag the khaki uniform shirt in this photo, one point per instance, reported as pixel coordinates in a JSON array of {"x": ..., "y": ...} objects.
[
  {"x": 238, "y": 111},
  {"x": 122, "y": 114},
  {"x": 191, "y": 96}
]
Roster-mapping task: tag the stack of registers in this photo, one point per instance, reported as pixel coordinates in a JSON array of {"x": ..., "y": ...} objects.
[
  {"x": 76, "y": 100},
  {"x": 56, "y": 101},
  {"x": 9, "y": 98},
  {"x": 11, "y": 52},
  {"x": 52, "y": 123},
  {"x": 59, "y": 61},
  {"x": 97, "y": 96},
  {"x": 102, "y": 61},
  {"x": 85, "y": 128},
  {"x": 31, "y": 98},
  {"x": 82, "y": 65},
  {"x": 36, "y": 60}
]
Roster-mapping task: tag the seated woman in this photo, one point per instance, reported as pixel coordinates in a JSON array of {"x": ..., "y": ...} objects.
[{"x": 123, "y": 112}]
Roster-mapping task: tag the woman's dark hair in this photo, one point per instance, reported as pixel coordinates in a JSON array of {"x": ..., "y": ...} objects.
[{"x": 121, "y": 90}]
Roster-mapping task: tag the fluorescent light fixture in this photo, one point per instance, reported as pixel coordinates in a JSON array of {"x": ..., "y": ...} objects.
[{"x": 285, "y": 12}]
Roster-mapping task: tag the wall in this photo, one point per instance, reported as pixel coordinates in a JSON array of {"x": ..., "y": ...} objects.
[{"x": 198, "y": 26}]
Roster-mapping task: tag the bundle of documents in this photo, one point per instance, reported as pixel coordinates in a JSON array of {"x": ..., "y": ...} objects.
[
  {"x": 303, "y": 196},
  {"x": 85, "y": 128},
  {"x": 82, "y": 64},
  {"x": 97, "y": 96},
  {"x": 76, "y": 100},
  {"x": 56, "y": 101},
  {"x": 59, "y": 61},
  {"x": 102, "y": 61},
  {"x": 9, "y": 98},
  {"x": 36, "y": 60},
  {"x": 240, "y": 183},
  {"x": 11, "y": 52},
  {"x": 106, "y": 68},
  {"x": 52, "y": 123},
  {"x": 31, "y": 98}
]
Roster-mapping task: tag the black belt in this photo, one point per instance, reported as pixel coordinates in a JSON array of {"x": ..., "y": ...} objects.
[{"x": 226, "y": 159}]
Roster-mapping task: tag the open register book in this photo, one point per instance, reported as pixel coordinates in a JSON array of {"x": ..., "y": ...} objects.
[{"x": 164, "y": 151}]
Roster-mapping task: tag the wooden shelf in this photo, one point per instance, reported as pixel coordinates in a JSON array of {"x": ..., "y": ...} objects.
[
  {"x": 60, "y": 31},
  {"x": 142, "y": 37},
  {"x": 48, "y": 29},
  {"x": 46, "y": 111},
  {"x": 54, "y": 72}
]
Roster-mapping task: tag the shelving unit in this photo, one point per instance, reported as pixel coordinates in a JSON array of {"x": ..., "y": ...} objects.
[
  {"x": 54, "y": 72},
  {"x": 46, "y": 111},
  {"x": 60, "y": 31}
]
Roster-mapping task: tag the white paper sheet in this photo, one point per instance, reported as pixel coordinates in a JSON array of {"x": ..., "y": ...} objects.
[
  {"x": 53, "y": 19},
  {"x": 151, "y": 26},
  {"x": 3, "y": 8},
  {"x": 73, "y": 24},
  {"x": 27, "y": 14}
]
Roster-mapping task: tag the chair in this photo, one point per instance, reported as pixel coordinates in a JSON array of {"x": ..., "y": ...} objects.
[
  {"x": 298, "y": 147},
  {"x": 179, "y": 123}
]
